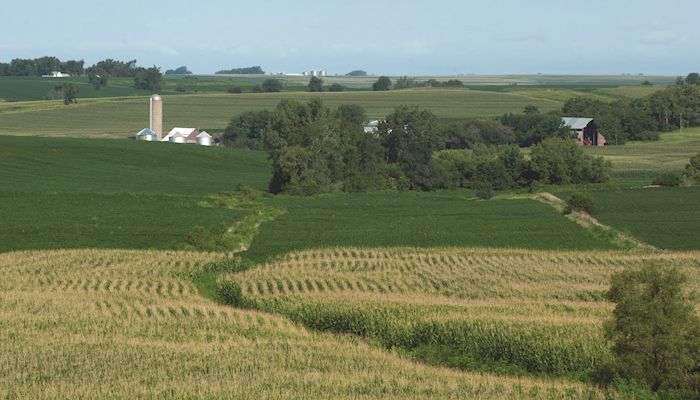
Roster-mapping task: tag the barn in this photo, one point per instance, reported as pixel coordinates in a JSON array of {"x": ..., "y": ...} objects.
[{"x": 587, "y": 132}]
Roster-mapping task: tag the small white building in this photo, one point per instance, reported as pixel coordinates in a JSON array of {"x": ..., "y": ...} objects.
[
  {"x": 372, "y": 126},
  {"x": 204, "y": 139},
  {"x": 177, "y": 137},
  {"x": 184, "y": 132},
  {"x": 147, "y": 135},
  {"x": 56, "y": 74}
]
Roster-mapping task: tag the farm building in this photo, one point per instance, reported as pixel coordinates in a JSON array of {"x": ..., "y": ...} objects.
[
  {"x": 587, "y": 132},
  {"x": 188, "y": 135},
  {"x": 147, "y": 135},
  {"x": 56, "y": 74},
  {"x": 371, "y": 126}
]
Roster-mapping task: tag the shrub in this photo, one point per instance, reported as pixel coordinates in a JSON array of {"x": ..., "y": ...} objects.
[
  {"x": 692, "y": 170},
  {"x": 580, "y": 202},
  {"x": 235, "y": 90},
  {"x": 231, "y": 293},
  {"x": 484, "y": 192},
  {"x": 669, "y": 179},
  {"x": 648, "y": 136},
  {"x": 336, "y": 87}
]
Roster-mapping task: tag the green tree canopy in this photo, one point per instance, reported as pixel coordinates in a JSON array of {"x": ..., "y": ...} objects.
[
  {"x": 655, "y": 332},
  {"x": 271, "y": 85},
  {"x": 149, "y": 79},
  {"x": 315, "y": 84},
  {"x": 383, "y": 83}
]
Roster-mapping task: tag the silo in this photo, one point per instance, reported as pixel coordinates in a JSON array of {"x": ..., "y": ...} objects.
[{"x": 157, "y": 115}]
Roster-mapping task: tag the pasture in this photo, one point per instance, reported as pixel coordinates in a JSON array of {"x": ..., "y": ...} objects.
[
  {"x": 130, "y": 324},
  {"x": 638, "y": 163}
]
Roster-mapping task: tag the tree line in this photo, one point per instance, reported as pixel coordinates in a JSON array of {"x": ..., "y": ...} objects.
[
  {"x": 242, "y": 71},
  {"x": 316, "y": 149},
  {"x": 41, "y": 66}
]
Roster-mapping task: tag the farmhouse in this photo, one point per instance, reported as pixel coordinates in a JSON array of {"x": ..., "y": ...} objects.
[
  {"x": 371, "y": 126},
  {"x": 56, "y": 74},
  {"x": 587, "y": 132}
]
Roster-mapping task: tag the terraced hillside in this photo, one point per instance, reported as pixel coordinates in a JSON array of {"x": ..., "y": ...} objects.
[
  {"x": 130, "y": 324},
  {"x": 525, "y": 312}
]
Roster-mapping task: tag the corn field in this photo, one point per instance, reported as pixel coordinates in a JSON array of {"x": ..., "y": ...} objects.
[
  {"x": 540, "y": 310},
  {"x": 129, "y": 324}
]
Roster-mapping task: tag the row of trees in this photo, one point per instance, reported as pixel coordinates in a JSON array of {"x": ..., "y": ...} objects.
[
  {"x": 676, "y": 107},
  {"x": 242, "y": 71},
  {"x": 315, "y": 149},
  {"x": 41, "y": 66},
  {"x": 405, "y": 82}
]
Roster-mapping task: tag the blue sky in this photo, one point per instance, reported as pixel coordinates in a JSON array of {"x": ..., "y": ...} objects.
[{"x": 383, "y": 37}]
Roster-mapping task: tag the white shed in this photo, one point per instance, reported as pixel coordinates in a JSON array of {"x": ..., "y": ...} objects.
[
  {"x": 147, "y": 135},
  {"x": 204, "y": 139},
  {"x": 184, "y": 132}
]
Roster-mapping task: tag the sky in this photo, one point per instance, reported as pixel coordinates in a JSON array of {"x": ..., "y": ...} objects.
[{"x": 407, "y": 37}]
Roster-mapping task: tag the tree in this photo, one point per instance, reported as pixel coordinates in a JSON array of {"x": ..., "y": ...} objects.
[
  {"x": 655, "y": 333},
  {"x": 408, "y": 137},
  {"x": 256, "y": 70},
  {"x": 383, "y": 83},
  {"x": 562, "y": 161},
  {"x": 70, "y": 93},
  {"x": 98, "y": 77},
  {"x": 405, "y": 82},
  {"x": 73, "y": 67},
  {"x": 149, "y": 79},
  {"x": 271, "y": 85},
  {"x": 118, "y": 69},
  {"x": 692, "y": 170},
  {"x": 315, "y": 84},
  {"x": 336, "y": 87},
  {"x": 357, "y": 72},
  {"x": 178, "y": 71},
  {"x": 693, "y": 78},
  {"x": 247, "y": 130}
]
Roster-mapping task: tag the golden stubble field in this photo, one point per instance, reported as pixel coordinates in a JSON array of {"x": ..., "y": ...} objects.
[{"x": 130, "y": 324}]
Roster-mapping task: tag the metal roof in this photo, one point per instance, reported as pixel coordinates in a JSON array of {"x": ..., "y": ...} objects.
[
  {"x": 146, "y": 132},
  {"x": 576, "y": 123}
]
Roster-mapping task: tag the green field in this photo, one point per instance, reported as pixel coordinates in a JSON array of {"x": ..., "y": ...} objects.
[
  {"x": 451, "y": 218},
  {"x": 57, "y": 193},
  {"x": 119, "y": 118},
  {"x": 638, "y": 163},
  {"x": 668, "y": 218}
]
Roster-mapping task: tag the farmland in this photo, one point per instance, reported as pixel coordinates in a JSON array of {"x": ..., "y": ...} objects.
[
  {"x": 390, "y": 219},
  {"x": 668, "y": 218},
  {"x": 130, "y": 324},
  {"x": 537, "y": 312},
  {"x": 59, "y": 193},
  {"x": 122, "y": 117}
]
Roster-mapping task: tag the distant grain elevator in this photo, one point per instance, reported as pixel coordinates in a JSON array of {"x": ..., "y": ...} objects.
[{"x": 157, "y": 115}]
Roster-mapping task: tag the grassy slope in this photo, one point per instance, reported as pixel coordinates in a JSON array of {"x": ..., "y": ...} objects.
[
  {"x": 96, "y": 193},
  {"x": 640, "y": 162},
  {"x": 416, "y": 219},
  {"x": 668, "y": 218},
  {"x": 125, "y": 117}
]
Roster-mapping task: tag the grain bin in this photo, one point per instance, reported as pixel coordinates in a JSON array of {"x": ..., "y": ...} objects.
[
  {"x": 178, "y": 138},
  {"x": 157, "y": 115},
  {"x": 204, "y": 139}
]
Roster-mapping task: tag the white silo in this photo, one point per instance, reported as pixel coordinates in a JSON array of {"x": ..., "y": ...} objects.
[
  {"x": 157, "y": 115},
  {"x": 178, "y": 138}
]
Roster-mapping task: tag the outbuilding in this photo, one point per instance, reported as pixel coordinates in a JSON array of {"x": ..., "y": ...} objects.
[
  {"x": 204, "y": 139},
  {"x": 587, "y": 132},
  {"x": 147, "y": 135}
]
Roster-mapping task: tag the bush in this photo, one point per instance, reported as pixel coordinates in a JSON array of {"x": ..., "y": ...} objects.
[
  {"x": 336, "y": 87},
  {"x": 669, "y": 179},
  {"x": 235, "y": 90},
  {"x": 180, "y": 89},
  {"x": 231, "y": 293},
  {"x": 580, "y": 202},
  {"x": 648, "y": 136},
  {"x": 484, "y": 192},
  {"x": 692, "y": 170}
]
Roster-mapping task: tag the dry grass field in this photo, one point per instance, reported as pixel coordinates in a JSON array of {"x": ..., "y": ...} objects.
[{"x": 127, "y": 324}]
